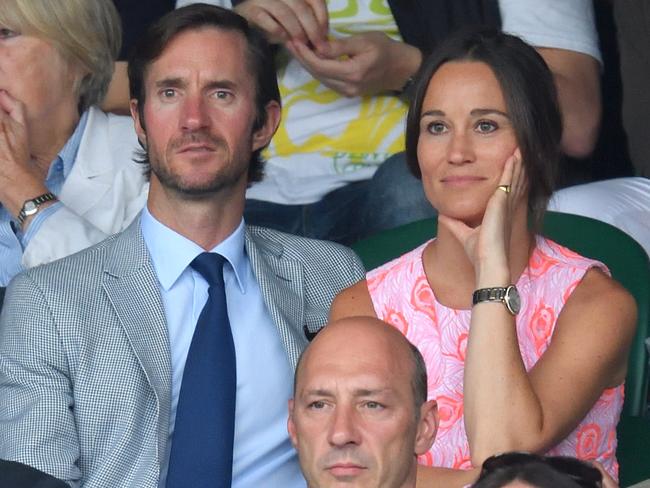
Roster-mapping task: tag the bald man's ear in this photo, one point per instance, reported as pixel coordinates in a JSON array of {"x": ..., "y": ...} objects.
[
  {"x": 427, "y": 427},
  {"x": 291, "y": 426}
]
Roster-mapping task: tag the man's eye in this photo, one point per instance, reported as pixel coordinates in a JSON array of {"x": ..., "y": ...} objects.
[
  {"x": 317, "y": 405},
  {"x": 222, "y": 94},
  {"x": 374, "y": 405},
  {"x": 6, "y": 33},
  {"x": 437, "y": 128},
  {"x": 486, "y": 126}
]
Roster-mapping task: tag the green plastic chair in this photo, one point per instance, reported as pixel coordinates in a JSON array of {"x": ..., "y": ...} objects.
[
  {"x": 633, "y": 450},
  {"x": 625, "y": 258}
]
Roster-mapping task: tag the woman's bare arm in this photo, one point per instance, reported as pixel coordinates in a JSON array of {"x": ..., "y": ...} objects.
[{"x": 505, "y": 407}]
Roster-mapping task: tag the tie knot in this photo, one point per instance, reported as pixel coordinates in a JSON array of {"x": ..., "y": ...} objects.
[{"x": 210, "y": 266}]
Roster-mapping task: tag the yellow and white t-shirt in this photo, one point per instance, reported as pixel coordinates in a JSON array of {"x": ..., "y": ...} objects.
[{"x": 325, "y": 139}]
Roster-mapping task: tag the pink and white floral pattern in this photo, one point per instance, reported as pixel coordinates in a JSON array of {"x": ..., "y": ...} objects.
[{"x": 401, "y": 295}]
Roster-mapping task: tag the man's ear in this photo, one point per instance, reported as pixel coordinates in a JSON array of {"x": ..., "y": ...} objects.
[
  {"x": 137, "y": 123},
  {"x": 263, "y": 135},
  {"x": 427, "y": 427},
  {"x": 291, "y": 426}
]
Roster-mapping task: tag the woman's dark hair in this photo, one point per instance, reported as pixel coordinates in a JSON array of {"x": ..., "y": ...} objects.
[
  {"x": 538, "y": 471},
  {"x": 531, "y": 101},
  {"x": 259, "y": 60}
]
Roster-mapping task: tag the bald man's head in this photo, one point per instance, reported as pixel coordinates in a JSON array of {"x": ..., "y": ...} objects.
[
  {"x": 359, "y": 413},
  {"x": 344, "y": 328}
]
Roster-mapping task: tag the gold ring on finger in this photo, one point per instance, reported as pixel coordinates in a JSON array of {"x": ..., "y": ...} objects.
[{"x": 504, "y": 188}]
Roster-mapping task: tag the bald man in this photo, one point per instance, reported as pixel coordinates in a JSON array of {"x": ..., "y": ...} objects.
[{"x": 359, "y": 416}]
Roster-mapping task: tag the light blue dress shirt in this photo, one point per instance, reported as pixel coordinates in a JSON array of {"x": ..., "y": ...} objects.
[
  {"x": 12, "y": 240},
  {"x": 263, "y": 454}
]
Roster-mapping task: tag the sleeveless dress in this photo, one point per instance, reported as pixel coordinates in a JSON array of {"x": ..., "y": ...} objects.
[{"x": 401, "y": 296}]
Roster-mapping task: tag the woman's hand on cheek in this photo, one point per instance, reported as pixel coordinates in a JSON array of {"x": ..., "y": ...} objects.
[
  {"x": 487, "y": 244},
  {"x": 14, "y": 150},
  {"x": 18, "y": 179}
]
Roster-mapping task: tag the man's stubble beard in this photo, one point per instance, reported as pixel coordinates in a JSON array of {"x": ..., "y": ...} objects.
[{"x": 235, "y": 167}]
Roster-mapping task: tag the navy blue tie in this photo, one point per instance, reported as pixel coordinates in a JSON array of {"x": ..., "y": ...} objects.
[{"x": 201, "y": 454}]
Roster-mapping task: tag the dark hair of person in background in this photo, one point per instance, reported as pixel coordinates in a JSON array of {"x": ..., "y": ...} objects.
[
  {"x": 259, "y": 60},
  {"x": 538, "y": 471},
  {"x": 530, "y": 97}
]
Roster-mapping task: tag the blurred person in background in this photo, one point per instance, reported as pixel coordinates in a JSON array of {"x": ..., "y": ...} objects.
[
  {"x": 336, "y": 168},
  {"x": 525, "y": 470}
]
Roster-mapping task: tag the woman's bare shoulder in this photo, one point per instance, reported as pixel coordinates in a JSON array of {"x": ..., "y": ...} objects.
[
  {"x": 599, "y": 294},
  {"x": 600, "y": 319}
]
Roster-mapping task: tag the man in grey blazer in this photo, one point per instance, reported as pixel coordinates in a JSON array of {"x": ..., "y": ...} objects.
[{"x": 93, "y": 347}]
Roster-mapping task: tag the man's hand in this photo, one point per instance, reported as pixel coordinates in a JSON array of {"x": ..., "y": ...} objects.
[
  {"x": 304, "y": 21},
  {"x": 362, "y": 64}
]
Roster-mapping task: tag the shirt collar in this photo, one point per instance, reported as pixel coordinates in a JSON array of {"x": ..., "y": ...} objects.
[
  {"x": 68, "y": 152},
  {"x": 172, "y": 253}
]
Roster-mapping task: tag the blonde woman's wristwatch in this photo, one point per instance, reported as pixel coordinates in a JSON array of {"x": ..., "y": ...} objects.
[
  {"x": 30, "y": 207},
  {"x": 508, "y": 295}
]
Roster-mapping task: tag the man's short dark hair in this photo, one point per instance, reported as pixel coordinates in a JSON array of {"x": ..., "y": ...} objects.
[
  {"x": 419, "y": 380},
  {"x": 539, "y": 471},
  {"x": 259, "y": 60}
]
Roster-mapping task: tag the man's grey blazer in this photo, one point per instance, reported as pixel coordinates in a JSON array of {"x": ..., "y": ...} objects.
[{"x": 85, "y": 375}]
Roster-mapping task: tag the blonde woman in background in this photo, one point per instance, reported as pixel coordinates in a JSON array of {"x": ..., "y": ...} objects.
[{"x": 67, "y": 179}]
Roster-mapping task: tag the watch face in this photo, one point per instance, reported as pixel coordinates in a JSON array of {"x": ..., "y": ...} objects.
[
  {"x": 30, "y": 208},
  {"x": 513, "y": 300}
]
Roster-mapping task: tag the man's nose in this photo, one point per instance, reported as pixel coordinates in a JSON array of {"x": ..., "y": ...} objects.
[
  {"x": 343, "y": 429},
  {"x": 194, "y": 113}
]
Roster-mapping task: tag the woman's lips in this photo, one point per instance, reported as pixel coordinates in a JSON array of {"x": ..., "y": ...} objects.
[{"x": 462, "y": 180}]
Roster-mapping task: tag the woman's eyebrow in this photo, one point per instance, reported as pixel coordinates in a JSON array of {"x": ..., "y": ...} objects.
[
  {"x": 488, "y": 111},
  {"x": 433, "y": 113}
]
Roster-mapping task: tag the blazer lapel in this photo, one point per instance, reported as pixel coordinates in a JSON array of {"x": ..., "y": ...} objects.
[
  {"x": 132, "y": 288},
  {"x": 282, "y": 285},
  {"x": 90, "y": 177}
]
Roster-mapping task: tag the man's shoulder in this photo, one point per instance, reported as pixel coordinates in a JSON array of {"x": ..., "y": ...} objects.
[{"x": 299, "y": 248}]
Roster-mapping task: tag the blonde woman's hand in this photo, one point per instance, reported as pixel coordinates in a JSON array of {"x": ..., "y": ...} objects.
[{"x": 19, "y": 180}]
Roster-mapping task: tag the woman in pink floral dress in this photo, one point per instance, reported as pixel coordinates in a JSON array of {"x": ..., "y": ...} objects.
[{"x": 525, "y": 341}]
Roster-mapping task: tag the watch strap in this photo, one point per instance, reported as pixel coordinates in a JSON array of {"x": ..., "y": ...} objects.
[
  {"x": 36, "y": 202},
  {"x": 496, "y": 294}
]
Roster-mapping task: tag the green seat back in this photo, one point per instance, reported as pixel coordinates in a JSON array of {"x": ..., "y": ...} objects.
[
  {"x": 633, "y": 450},
  {"x": 625, "y": 258}
]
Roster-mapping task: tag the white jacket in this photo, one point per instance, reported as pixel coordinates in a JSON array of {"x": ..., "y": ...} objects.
[{"x": 102, "y": 194}]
